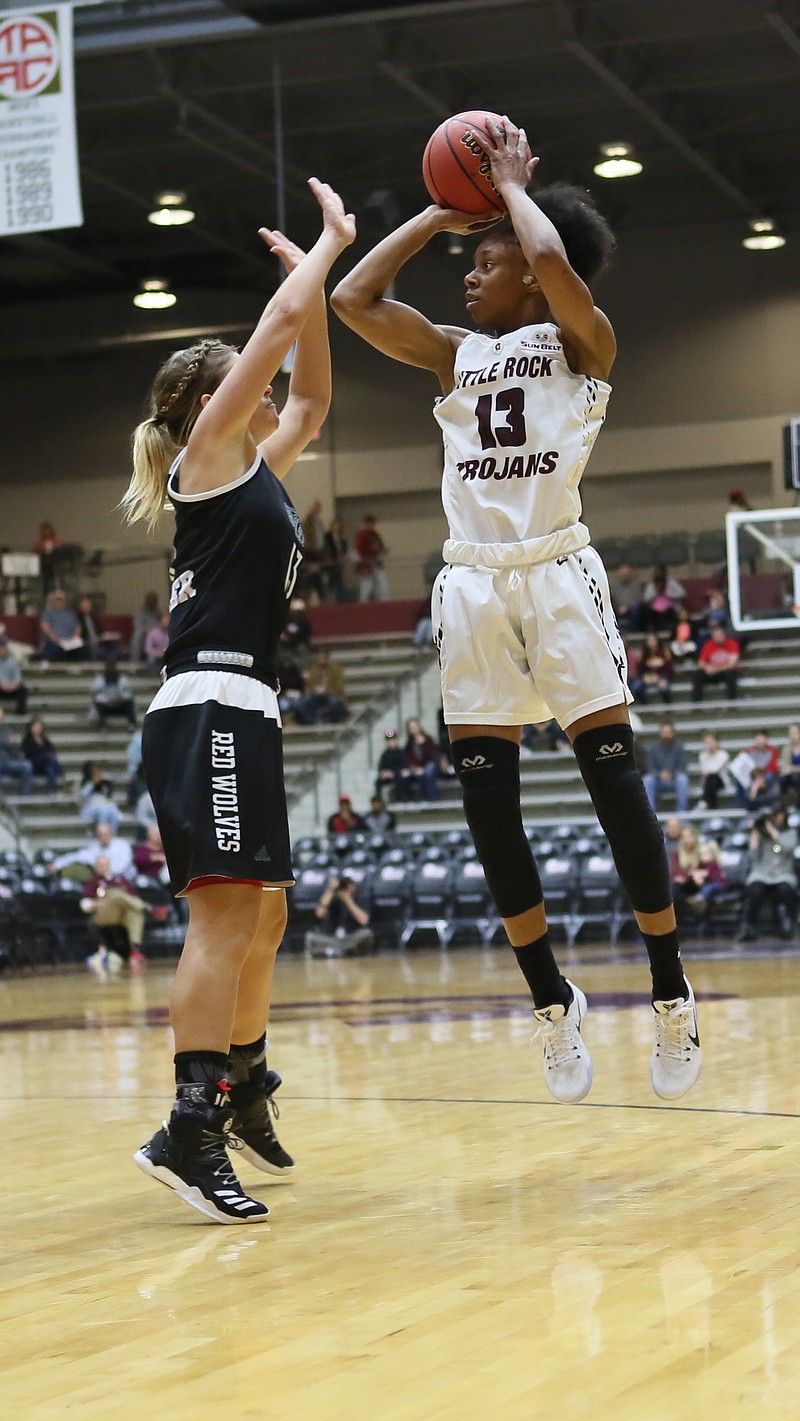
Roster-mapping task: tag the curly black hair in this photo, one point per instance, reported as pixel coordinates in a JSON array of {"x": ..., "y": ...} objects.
[{"x": 586, "y": 235}]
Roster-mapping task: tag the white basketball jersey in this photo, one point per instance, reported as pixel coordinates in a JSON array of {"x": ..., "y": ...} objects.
[{"x": 518, "y": 430}]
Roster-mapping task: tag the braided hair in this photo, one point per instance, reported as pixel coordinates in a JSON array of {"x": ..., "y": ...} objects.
[{"x": 173, "y": 404}]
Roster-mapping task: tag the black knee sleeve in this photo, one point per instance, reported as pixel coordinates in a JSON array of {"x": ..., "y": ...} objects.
[
  {"x": 488, "y": 768},
  {"x": 607, "y": 762}
]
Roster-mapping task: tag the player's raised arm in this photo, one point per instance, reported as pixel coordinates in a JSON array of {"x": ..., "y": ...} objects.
[
  {"x": 231, "y": 407},
  {"x": 398, "y": 330},
  {"x": 309, "y": 397},
  {"x": 585, "y": 330}
]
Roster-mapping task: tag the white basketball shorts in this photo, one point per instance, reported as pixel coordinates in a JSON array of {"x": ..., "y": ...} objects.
[{"x": 519, "y": 645}]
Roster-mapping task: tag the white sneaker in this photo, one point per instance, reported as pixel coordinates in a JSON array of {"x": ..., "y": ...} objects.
[
  {"x": 567, "y": 1063},
  {"x": 676, "y": 1062},
  {"x": 115, "y": 961},
  {"x": 98, "y": 962}
]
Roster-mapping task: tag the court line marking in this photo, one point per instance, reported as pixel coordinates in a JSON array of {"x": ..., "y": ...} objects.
[{"x": 455, "y": 1100}]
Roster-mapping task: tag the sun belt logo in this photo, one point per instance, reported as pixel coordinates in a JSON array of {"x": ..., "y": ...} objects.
[
  {"x": 609, "y": 752},
  {"x": 476, "y": 762}
]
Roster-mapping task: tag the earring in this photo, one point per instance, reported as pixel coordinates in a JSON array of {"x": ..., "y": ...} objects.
[{"x": 527, "y": 281}]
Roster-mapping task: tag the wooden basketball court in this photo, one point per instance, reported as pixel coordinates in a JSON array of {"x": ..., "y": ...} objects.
[{"x": 454, "y": 1245}]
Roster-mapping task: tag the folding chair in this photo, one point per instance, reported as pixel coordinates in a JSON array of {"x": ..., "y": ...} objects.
[{"x": 430, "y": 902}]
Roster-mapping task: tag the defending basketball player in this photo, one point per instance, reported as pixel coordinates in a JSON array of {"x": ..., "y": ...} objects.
[
  {"x": 522, "y": 613},
  {"x": 213, "y": 443}
]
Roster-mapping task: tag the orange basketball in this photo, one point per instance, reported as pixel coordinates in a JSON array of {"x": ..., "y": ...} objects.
[{"x": 455, "y": 164}]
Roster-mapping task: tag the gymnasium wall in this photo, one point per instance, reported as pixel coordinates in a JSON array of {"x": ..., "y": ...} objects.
[{"x": 705, "y": 380}]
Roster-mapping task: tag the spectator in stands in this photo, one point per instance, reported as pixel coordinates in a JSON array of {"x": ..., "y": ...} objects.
[
  {"x": 771, "y": 878},
  {"x": 292, "y": 684},
  {"x": 149, "y": 857},
  {"x": 112, "y": 900},
  {"x": 655, "y": 670},
  {"x": 380, "y": 820},
  {"x": 626, "y": 598},
  {"x": 136, "y": 780},
  {"x": 392, "y": 773},
  {"x": 696, "y": 871},
  {"x": 764, "y": 755},
  {"x": 667, "y": 769},
  {"x": 112, "y": 695},
  {"x": 148, "y": 616},
  {"x": 713, "y": 762},
  {"x": 314, "y": 550},
  {"x": 683, "y": 644},
  {"x": 53, "y": 552},
  {"x": 546, "y": 732},
  {"x": 145, "y": 813},
  {"x": 335, "y": 560},
  {"x": 296, "y": 635},
  {"x": 759, "y": 793},
  {"x": 325, "y": 701},
  {"x": 12, "y": 686},
  {"x": 345, "y": 820},
  {"x": 738, "y": 501},
  {"x": 672, "y": 831},
  {"x": 423, "y": 630},
  {"x": 104, "y": 841},
  {"x": 41, "y": 752},
  {"x": 370, "y": 551},
  {"x": 88, "y": 630},
  {"x": 60, "y": 638},
  {"x": 13, "y": 764},
  {"x": 660, "y": 600},
  {"x": 790, "y": 763},
  {"x": 715, "y": 614},
  {"x": 96, "y": 797},
  {"x": 422, "y": 761},
  {"x": 343, "y": 921},
  {"x": 718, "y": 663},
  {"x": 156, "y": 642}
]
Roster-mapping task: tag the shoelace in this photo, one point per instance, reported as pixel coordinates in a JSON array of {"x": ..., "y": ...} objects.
[
  {"x": 214, "y": 1146},
  {"x": 673, "y": 1033},
  {"x": 561, "y": 1041}
]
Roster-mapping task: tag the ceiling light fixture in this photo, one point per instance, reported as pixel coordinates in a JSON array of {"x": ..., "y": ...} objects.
[
  {"x": 170, "y": 210},
  {"x": 455, "y": 244},
  {"x": 617, "y": 161},
  {"x": 154, "y": 295},
  {"x": 764, "y": 235}
]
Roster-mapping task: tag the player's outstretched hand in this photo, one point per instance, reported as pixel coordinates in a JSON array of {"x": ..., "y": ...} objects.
[
  {"x": 511, "y": 158},
  {"x": 449, "y": 220},
  {"x": 285, "y": 250},
  {"x": 335, "y": 220}
]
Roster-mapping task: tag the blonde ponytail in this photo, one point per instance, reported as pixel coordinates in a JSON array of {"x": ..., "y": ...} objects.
[
  {"x": 174, "y": 402},
  {"x": 153, "y": 452}
]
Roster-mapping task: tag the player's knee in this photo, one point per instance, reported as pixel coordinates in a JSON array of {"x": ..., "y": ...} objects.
[
  {"x": 607, "y": 762},
  {"x": 488, "y": 769}
]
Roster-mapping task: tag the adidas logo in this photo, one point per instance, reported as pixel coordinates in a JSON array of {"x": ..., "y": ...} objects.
[
  {"x": 262, "y": 856},
  {"x": 608, "y": 752},
  {"x": 476, "y": 762}
]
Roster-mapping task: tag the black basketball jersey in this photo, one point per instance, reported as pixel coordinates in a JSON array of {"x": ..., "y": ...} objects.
[{"x": 237, "y": 554}]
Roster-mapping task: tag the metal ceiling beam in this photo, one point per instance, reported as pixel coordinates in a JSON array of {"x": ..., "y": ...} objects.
[
  {"x": 139, "y": 23},
  {"x": 60, "y": 257},
  {"x": 416, "y": 10},
  {"x": 585, "y": 37}
]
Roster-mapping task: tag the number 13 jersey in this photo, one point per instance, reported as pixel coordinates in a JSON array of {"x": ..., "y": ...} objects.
[{"x": 518, "y": 429}]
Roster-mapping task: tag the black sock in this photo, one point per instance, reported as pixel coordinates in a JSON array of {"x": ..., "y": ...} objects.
[
  {"x": 200, "y": 1067},
  {"x": 540, "y": 970},
  {"x": 249, "y": 1063},
  {"x": 665, "y": 964}
]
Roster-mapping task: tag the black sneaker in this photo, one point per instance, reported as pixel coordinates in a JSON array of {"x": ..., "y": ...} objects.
[
  {"x": 189, "y": 1156},
  {"x": 253, "y": 1127}
]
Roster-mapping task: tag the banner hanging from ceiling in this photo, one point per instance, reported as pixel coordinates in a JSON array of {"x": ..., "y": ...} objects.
[{"x": 39, "y": 180}]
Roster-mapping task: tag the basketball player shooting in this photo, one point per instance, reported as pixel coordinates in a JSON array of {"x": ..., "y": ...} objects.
[{"x": 522, "y": 612}]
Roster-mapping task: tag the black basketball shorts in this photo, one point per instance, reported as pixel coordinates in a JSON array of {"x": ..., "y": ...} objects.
[{"x": 214, "y": 769}]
